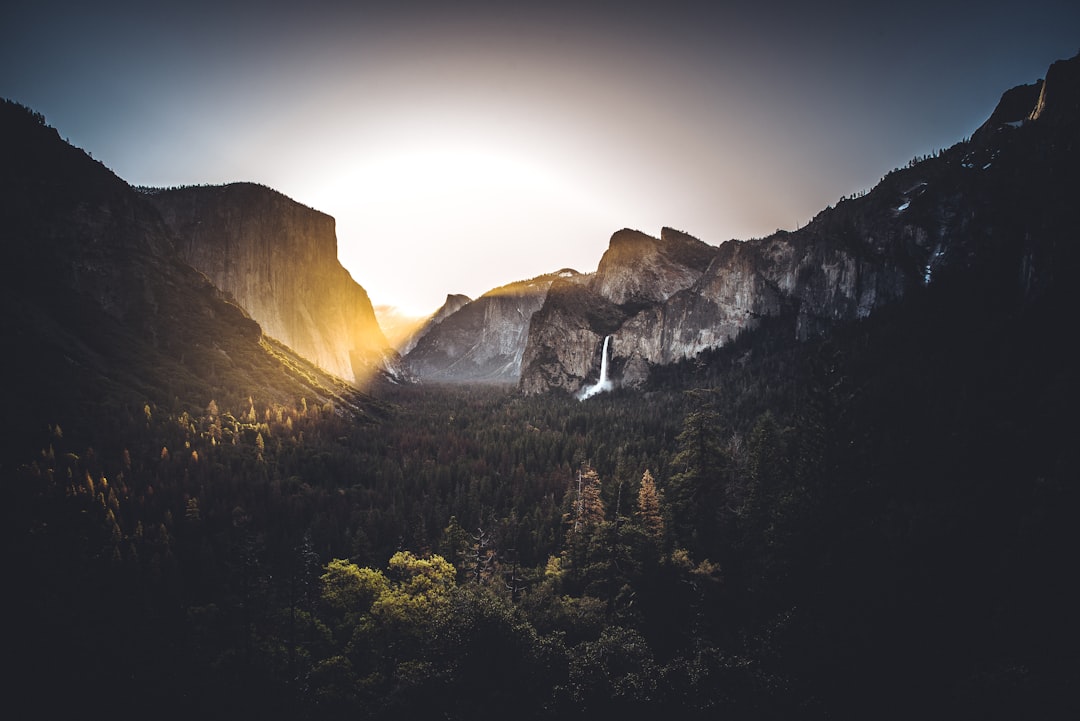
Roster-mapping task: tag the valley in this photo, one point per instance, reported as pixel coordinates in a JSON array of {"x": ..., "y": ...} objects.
[{"x": 828, "y": 473}]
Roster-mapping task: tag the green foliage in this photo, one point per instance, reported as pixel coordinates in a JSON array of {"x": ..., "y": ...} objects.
[
  {"x": 698, "y": 487},
  {"x": 348, "y": 589},
  {"x": 420, "y": 587}
]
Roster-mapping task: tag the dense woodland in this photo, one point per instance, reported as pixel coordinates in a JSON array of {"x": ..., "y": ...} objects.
[{"x": 876, "y": 525}]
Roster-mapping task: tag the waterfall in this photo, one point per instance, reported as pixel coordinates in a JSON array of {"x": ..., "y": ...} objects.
[
  {"x": 603, "y": 363},
  {"x": 604, "y": 384}
]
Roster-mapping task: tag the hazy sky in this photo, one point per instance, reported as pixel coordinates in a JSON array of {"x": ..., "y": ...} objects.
[{"x": 463, "y": 145}]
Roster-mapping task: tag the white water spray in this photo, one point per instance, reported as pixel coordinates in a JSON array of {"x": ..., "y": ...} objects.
[{"x": 604, "y": 384}]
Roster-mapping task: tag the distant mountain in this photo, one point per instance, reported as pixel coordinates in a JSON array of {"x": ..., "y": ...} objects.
[
  {"x": 399, "y": 328},
  {"x": 483, "y": 339},
  {"x": 278, "y": 260},
  {"x": 998, "y": 208},
  {"x": 102, "y": 317},
  {"x": 412, "y": 330}
]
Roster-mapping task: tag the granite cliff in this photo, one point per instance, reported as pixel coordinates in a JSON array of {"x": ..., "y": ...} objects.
[
  {"x": 278, "y": 259},
  {"x": 483, "y": 339},
  {"x": 639, "y": 270},
  {"x": 408, "y": 340}
]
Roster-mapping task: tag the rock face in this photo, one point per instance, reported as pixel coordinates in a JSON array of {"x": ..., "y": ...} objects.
[
  {"x": 993, "y": 206},
  {"x": 482, "y": 340},
  {"x": 1059, "y": 94},
  {"x": 454, "y": 303},
  {"x": 638, "y": 269},
  {"x": 278, "y": 259},
  {"x": 636, "y": 276},
  {"x": 673, "y": 311},
  {"x": 566, "y": 338}
]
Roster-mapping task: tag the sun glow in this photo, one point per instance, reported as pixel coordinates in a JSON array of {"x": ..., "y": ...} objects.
[
  {"x": 449, "y": 171},
  {"x": 459, "y": 204}
]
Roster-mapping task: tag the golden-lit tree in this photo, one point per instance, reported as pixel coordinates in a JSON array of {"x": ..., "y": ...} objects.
[
  {"x": 588, "y": 511},
  {"x": 649, "y": 507},
  {"x": 586, "y": 515}
]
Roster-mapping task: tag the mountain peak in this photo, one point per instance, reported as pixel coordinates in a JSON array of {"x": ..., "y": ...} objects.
[
  {"x": 630, "y": 240},
  {"x": 454, "y": 302},
  {"x": 1059, "y": 96},
  {"x": 639, "y": 268},
  {"x": 1053, "y": 99}
]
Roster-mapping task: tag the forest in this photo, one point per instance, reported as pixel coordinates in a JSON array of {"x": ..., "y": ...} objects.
[{"x": 876, "y": 524}]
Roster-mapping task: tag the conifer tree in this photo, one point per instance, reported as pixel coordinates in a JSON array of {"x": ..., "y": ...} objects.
[
  {"x": 455, "y": 545},
  {"x": 648, "y": 509},
  {"x": 696, "y": 490},
  {"x": 585, "y": 517}
]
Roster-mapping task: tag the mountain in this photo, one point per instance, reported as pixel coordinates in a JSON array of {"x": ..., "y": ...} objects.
[
  {"x": 412, "y": 331},
  {"x": 483, "y": 339},
  {"x": 637, "y": 272},
  {"x": 995, "y": 208},
  {"x": 278, "y": 260},
  {"x": 102, "y": 317}
]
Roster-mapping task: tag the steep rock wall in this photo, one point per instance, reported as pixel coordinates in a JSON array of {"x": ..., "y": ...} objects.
[
  {"x": 638, "y": 269},
  {"x": 483, "y": 339},
  {"x": 278, "y": 260}
]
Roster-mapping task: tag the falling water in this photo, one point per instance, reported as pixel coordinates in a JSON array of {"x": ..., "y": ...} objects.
[
  {"x": 604, "y": 364},
  {"x": 604, "y": 384}
]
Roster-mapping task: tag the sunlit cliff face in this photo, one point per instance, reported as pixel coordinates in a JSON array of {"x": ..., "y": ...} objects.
[{"x": 276, "y": 258}]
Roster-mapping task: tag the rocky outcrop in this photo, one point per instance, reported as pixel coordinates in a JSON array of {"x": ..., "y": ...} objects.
[
  {"x": 566, "y": 338},
  {"x": 1059, "y": 94},
  {"x": 482, "y": 340},
  {"x": 638, "y": 269},
  {"x": 636, "y": 276},
  {"x": 454, "y": 303},
  {"x": 991, "y": 207},
  {"x": 674, "y": 312},
  {"x": 278, "y": 260}
]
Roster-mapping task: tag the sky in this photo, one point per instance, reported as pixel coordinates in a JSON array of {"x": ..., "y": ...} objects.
[{"x": 462, "y": 146}]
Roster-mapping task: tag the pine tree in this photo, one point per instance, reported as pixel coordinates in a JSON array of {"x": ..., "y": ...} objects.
[
  {"x": 588, "y": 505},
  {"x": 585, "y": 517},
  {"x": 455, "y": 545},
  {"x": 648, "y": 510},
  {"x": 697, "y": 489}
]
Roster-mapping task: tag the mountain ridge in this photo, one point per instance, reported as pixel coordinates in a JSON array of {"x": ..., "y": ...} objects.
[
  {"x": 481, "y": 340},
  {"x": 945, "y": 216},
  {"x": 662, "y": 299}
]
